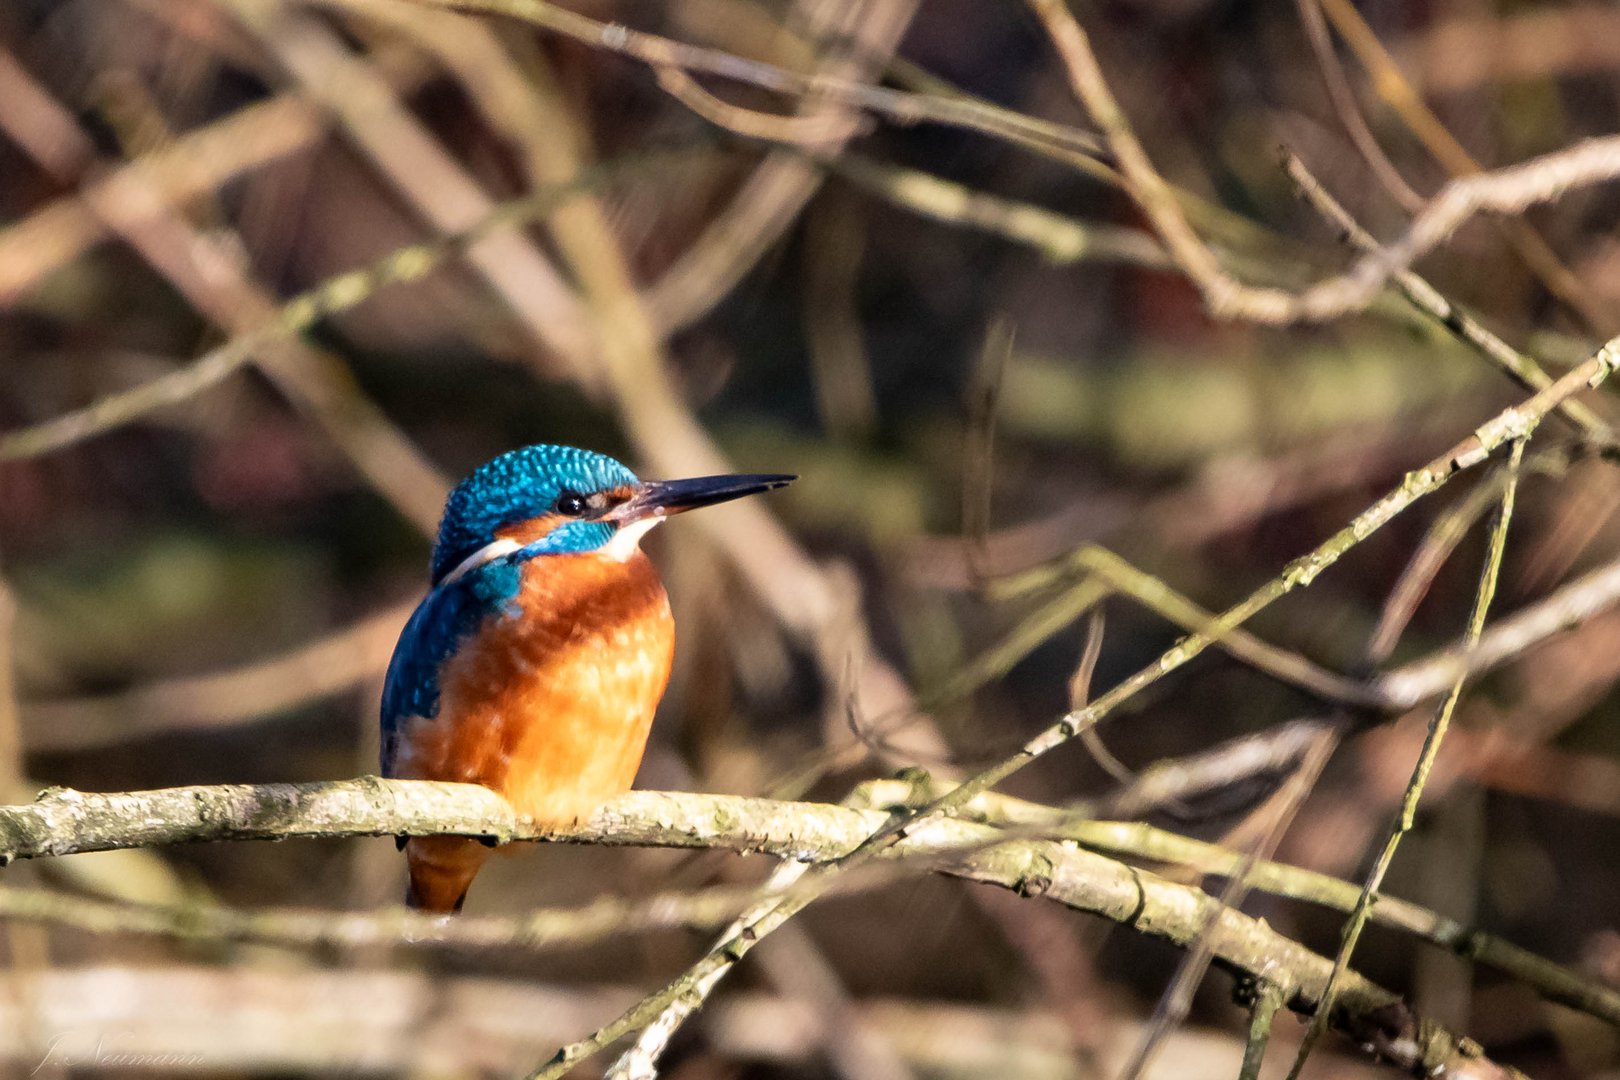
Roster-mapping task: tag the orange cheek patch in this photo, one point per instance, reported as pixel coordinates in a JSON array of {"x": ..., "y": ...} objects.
[{"x": 527, "y": 532}]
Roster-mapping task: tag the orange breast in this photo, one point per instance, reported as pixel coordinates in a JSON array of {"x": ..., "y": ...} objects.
[{"x": 551, "y": 707}]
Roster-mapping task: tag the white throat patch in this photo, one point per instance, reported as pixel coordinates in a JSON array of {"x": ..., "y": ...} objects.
[{"x": 627, "y": 539}]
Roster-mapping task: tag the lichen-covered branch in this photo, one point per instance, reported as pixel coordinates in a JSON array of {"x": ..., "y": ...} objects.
[{"x": 62, "y": 822}]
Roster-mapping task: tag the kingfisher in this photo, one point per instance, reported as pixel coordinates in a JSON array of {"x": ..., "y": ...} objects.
[{"x": 535, "y": 662}]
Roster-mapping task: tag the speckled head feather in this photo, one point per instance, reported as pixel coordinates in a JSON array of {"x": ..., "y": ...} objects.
[{"x": 519, "y": 486}]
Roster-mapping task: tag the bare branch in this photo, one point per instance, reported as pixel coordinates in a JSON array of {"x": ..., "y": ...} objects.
[
  {"x": 538, "y": 930},
  {"x": 1058, "y": 238},
  {"x": 1483, "y": 596},
  {"x": 61, "y": 822},
  {"x": 330, "y": 297},
  {"x": 1522, "y": 368},
  {"x": 1509, "y": 425},
  {"x": 812, "y": 130},
  {"x": 1344, "y": 104},
  {"x": 899, "y": 106},
  {"x": 1390, "y": 82},
  {"x": 328, "y": 665},
  {"x": 196, "y": 162},
  {"x": 426, "y": 175},
  {"x": 1506, "y": 191},
  {"x": 1507, "y": 639}
]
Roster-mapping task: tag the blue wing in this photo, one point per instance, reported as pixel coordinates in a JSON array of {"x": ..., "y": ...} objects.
[
  {"x": 412, "y": 685},
  {"x": 445, "y": 618}
]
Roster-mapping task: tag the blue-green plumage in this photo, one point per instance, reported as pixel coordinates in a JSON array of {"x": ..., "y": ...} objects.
[
  {"x": 445, "y": 618},
  {"x": 520, "y": 485}
]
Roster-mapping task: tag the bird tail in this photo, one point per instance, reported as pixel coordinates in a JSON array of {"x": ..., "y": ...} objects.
[{"x": 442, "y": 869}]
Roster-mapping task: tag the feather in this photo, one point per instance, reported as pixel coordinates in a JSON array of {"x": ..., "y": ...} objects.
[{"x": 448, "y": 616}]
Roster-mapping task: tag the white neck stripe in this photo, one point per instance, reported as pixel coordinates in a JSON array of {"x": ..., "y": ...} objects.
[
  {"x": 626, "y": 540},
  {"x": 487, "y": 553}
]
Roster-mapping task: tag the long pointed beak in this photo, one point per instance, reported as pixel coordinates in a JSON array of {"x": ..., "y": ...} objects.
[{"x": 661, "y": 498}]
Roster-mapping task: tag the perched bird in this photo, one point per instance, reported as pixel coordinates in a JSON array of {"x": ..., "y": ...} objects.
[{"x": 536, "y": 660}]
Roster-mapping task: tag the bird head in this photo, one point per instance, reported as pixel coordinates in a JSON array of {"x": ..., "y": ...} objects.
[{"x": 559, "y": 500}]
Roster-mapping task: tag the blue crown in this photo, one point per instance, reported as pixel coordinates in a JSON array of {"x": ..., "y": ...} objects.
[{"x": 520, "y": 485}]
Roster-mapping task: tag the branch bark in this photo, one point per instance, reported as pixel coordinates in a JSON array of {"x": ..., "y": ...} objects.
[{"x": 62, "y": 822}]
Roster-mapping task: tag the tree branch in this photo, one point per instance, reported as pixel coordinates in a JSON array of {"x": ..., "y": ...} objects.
[
  {"x": 62, "y": 822},
  {"x": 1505, "y": 191}
]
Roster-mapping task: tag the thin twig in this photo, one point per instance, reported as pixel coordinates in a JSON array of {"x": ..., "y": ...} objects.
[
  {"x": 327, "y": 665},
  {"x": 1519, "y": 366},
  {"x": 898, "y": 106},
  {"x": 979, "y": 443},
  {"x": 1275, "y": 816},
  {"x": 1136, "y": 839},
  {"x": 334, "y": 295},
  {"x": 1349, "y": 111},
  {"x": 1058, "y": 238},
  {"x": 1391, "y": 84},
  {"x": 840, "y": 364},
  {"x": 1173, "y": 784},
  {"x": 1268, "y": 998},
  {"x": 1512, "y": 424},
  {"x": 1506, "y": 191},
  {"x": 812, "y": 130},
  {"x": 1441, "y": 539},
  {"x": 1426, "y": 759},
  {"x": 1506, "y": 640},
  {"x": 1080, "y": 693},
  {"x": 640, "y": 1061}
]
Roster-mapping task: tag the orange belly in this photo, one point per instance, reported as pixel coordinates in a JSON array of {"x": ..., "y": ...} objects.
[{"x": 551, "y": 707}]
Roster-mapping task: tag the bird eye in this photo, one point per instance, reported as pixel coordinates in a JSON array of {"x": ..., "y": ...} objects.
[{"x": 571, "y": 503}]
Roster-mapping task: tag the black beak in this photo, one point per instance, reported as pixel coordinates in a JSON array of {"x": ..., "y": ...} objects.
[{"x": 661, "y": 498}]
